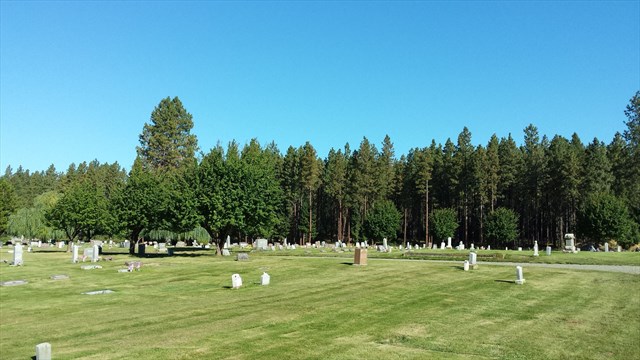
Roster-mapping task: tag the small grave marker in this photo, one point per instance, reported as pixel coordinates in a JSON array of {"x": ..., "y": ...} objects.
[
  {"x": 236, "y": 281},
  {"x": 265, "y": 279},
  {"x": 519, "y": 277},
  {"x": 43, "y": 351}
]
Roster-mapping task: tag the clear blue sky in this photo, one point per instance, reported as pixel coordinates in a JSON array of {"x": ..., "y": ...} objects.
[{"x": 78, "y": 80}]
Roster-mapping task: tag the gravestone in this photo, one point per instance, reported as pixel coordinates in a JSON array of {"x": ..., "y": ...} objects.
[
  {"x": 262, "y": 244},
  {"x": 358, "y": 245},
  {"x": 227, "y": 242},
  {"x": 17, "y": 255},
  {"x": 461, "y": 246},
  {"x": 59, "y": 277},
  {"x": 434, "y": 247},
  {"x": 43, "y": 351},
  {"x": 236, "y": 281},
  {"x": 242, "y": 257},
  {"x": 535, "y": 249},
  {"x": 569, "y": 242},
  {"x": 400, "y": 247},
  {"x": 519, "y": 248},
  {"x": 13, "y": 283},
  {"x": 98, "y": 292},
  {"x": 74, "y": 257},
  {"x": 293, "y": 246},
  {"x": 473, "y": 260},
  {"x": 141, "y": 249},
  {"x": 466, "y": 265},
  {"x": 619, "y": 248},
  {"x": 90, "y": 267},
  {"x": 162, "y": 247},
  {"x": 181, "y": 244},
  {"x": 449, "y": 243},
  {"x": 408, "y": 246},
  {"x": 417, "y": 247},
  {"x": 60, "y": 244},
  {"x": 96, "y": 252},
  {"x": 488, "y": 247},
  {"x": 225, "y": 252},
  {"x": 606, "y": 247},
  {"x": 473, "y": 247},
  {"x": 265, "y": 279},
  {"x": 519, "y": 276},
  {"x": 548, "y": 250},
  {"x": 360, "y": 257},
  {"x": 442, "y": 246}
]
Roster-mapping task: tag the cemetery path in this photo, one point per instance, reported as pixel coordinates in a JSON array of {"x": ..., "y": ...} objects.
[
  {"x": 610, "y": 268},
  {"x": 628, "y": 269}
]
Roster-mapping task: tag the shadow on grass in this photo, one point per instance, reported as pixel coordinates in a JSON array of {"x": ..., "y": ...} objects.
[
  {"x": 347, "y": 263},
  {"x": 506, "y": 281}
]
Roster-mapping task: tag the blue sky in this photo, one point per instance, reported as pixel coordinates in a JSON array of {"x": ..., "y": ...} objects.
[{"x": 78, "y": 80}]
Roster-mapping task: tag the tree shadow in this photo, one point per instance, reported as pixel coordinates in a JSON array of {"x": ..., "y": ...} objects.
[{"x": 347, "y": 263}]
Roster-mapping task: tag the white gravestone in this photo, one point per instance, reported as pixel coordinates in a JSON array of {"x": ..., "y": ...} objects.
[
  {"x": 449, "y": 243},
  {"x": 384, "y": 243},
  {"x": 466, "y": 265},
  {"x": 569, "y": 242},
  {"x": 74, "y": 258},
  {"x": 461, "y": 246},
  {"x": 472, "y": 247},
  {"x": 43, "y": 351},
  {"x": 535, "y": 249},
  {"x": 236, "y": 281},
  {"x": 96, "y": 254},
  {"x": 17, "y": 255},
  {"x": 435, "y": 246},
  {"x": 225, "y": 252},
  {"x": 472, "y": 258},
  {"x": 519, "y": 276},
  {"x": 442, "y": 246},
  {"x": 262, "y": 244},
  {"x": 488, "y": 247},
  {"x": 619, "y": 248},
  {"x": 548, "y": 250},
  {"x": 417, "y": 247},
  {"x": 519, "y": 248},
  {"x": 606, "y": 247},
  {"x": 265, "y": 279}
]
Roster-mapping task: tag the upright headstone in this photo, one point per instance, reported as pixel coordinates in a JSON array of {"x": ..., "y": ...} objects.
[
  {"x": 360, "y": 257},
  {"x": 461, "y": 246},
  {"x": 225, "y": 252},
  {"x": 74, "y": 258},
  {"x": 265, "y": 279},
  {"x": 384, "y": 243},
  {"x": 43, "y": 351},
  {"x": 357, "y": 245},
  {"x": 449, "y": 243},
  {"x": 434, "y": 247},
  {"x": 472, "y": 246},
  {"x": 488, "y": 247},
  {"x": 619, "y": 248},
  {"x": 548, "y": 250},
  {"x": 236, "y": 281},
  {"x": 466, "y": 265},
  {"x": 569, "y": 242},
  {"x": 535, "y": 249},
  {"x": 95, "y": 255},
  {"x": 606, "y": 247},
  {"x": 17, "y": 255},
  {"x": 227, "y": 242},
  {"x": 262, "y": 244},
  {"x": 141, "y": 249},
  {"x": 442, "y": 246},
  {"x": 417, "y": 247},
  {"x": 472, "y": 258},
  {"x": 519, "y": 248},
  {"x": 519, "y": 276}
]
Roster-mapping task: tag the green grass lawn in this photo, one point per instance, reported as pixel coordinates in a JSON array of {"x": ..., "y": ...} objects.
[{"x": 182, "y": 307}]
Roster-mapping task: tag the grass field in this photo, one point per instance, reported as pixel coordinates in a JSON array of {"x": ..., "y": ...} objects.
[{"x": 182, "y": 307}]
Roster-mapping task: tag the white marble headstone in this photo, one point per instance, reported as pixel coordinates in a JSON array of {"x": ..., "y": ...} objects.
[
  {"x": 236, "y": 281},
  {"x": 265, "y": 279},
  {"x": 17, "y": 255},
  {"x": 43, "y": 351},
  {"x": 519, "y": 276}
]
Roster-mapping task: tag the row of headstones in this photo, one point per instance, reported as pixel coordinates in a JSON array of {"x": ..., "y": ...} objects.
[{"x": 236, "y": 280}]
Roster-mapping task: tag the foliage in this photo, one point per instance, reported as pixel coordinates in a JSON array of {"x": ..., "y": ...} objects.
[
  {"x": 502, "y": 225},
  {"x": 167, "y": 143},
  {"x": 7, "y": 203},
  {"x": 604, "y": 217},
  {"x": 383, "y": 221},
  {"x": 444, "y": 223}
]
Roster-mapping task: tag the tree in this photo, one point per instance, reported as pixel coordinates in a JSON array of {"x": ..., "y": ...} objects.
[
  {"x": 444, "y": 223},
  {"x": 502, "y": 225},
  {"x": 310, "y": 176},
  {"x": 383, "y": 221},
  {"x": 604, "y": 217},
  {"x": 597, "y": 176},
  {"x": 167, "y": 143},
  {"x": 335, "y": 184},
  {"x": 7, "y": 203}
]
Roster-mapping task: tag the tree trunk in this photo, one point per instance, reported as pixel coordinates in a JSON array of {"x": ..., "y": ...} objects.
[
  {"x": 340, "y": 220},
  {"x": 404, "y": 235},
  {"x": 310, "y": 215},
  {"x": 426, "y": 214}
]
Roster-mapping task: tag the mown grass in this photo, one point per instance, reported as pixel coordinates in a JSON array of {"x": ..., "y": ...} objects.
[{"x": 182, "y": 307}]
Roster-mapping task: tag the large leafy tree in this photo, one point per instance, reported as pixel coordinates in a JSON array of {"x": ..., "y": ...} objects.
[
  {"x": 167, "y": 142},
  {"x": 383, "y": 221},
  {"x": 444, "y": 223},
  {"x": 604, "y": 217},
  {"x": 502, "y": 225}
]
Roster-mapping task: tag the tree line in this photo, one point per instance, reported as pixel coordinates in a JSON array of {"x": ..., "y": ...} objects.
[{"x": 499, "y": 193}]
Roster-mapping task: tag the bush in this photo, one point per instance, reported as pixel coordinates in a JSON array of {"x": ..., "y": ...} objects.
[
  {"x": 444, "y": 223},
  {"x": 383, "y": 221},
  {"x": 502, "y": 225}
]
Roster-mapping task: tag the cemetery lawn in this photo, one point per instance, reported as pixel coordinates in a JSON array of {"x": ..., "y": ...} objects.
[{"x": 182, "y": 307}]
